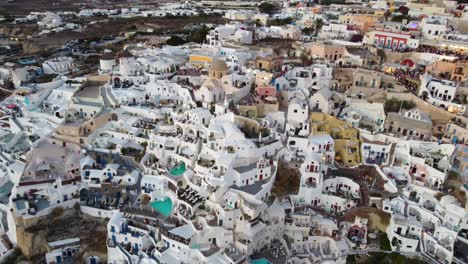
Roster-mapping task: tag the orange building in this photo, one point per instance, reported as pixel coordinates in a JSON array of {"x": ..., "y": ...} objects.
[{"x": 364, "y": 22}]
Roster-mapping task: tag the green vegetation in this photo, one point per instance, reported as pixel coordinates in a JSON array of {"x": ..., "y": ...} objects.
[
  {"x": 45, "y": 78},
  {"x": 268, "y": 8},
  {"x": 124, "y": 151},
  {"x": 384, "y": 242},
  {"x": 258, "y": 23},
  {"x": 199, "y": 36},
  {"x": 318, "y": 24},
  {"x": 308, "y": 30},
  {"x": 331, "y": 2},
  {"x": 70, "y": 82},
  {"x": 153, "y": 158},
  {"x": 351, "y": 259},
  {"x": 394, "y": 105},
  {"x": 400, "y": 18},
  {"x": 132, "y": 152},
  {"x": 144, "y": 144},
  {"x": 175, "y": 41},
  {"x": 280, "y": 21}
]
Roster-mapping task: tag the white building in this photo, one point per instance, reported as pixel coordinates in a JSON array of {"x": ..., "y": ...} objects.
[
  {"x": 391, "y": 39},
  {"x": 60, "y": 65},
  {"x": 434, "y": 28},
  {"x": 436, "y": 91}
]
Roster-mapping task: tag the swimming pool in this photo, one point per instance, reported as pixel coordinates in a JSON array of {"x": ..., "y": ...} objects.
[
  {"x": 260, "y": 261},
  {"x": 178, "y": 170},
  {"x": 164, "y": 207},
  {"x": 6, "y": 188}
]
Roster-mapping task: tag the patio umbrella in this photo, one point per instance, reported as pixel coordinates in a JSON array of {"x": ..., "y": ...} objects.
[{"x": 11, "y": 106}]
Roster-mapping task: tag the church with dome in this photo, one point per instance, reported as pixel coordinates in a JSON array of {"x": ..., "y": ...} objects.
[{"x": 222, "y": 85}]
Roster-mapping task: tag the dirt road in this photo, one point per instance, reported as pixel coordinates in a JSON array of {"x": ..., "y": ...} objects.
[{"x": 15, "y": 8}]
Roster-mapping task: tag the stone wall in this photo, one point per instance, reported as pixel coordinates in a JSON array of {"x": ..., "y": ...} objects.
[
  {"x": 438, "y": 115},
  {"x": 95, "y": 212},
  {"x": 32, "y": 244}
]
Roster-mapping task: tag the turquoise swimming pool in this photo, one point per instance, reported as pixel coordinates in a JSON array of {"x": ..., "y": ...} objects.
[
  {"x": 164, "y": 207},
  {"x": 6, "y": 188},
  {"x": 260, "y": 261},
  {"x": 178, "y": 170}
]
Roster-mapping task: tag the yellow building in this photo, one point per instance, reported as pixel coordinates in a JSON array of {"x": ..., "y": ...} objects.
[
  {"x": 347, "y": 142},
  {"x": 379, "y": 13},
  {"x": 200, "y": 59}
]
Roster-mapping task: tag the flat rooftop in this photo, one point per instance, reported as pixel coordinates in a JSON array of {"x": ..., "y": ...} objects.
[{"x": 89, "y": 92}]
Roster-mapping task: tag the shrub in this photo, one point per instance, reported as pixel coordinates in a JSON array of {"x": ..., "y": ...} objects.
[
  {"x": 199, "y": 36},
  {"x": 394, "y": 105},
  {"x": 281, "y": 21},
  {"x": 268, "y": 8},
  {"x": 384, "y": 242},
  {"x": 175, "y": 41},
  {"x": 57, "y": 212}
]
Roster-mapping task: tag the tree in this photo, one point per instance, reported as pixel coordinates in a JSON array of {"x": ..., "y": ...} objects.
[
  {"x": 258, "y": 22},
  {"x": 403, "y": 9},
  {"x": 199, "y": 36},
  {"x": 175, "y": 41},
  {"x": 280, "y": 21},
  {"x": 400, "y": 18},
  {"x": 124, "y": 151},
  {"x": 307, "y": 31},
  {"x": 144, "y": 144},
  {"x": 384, "y": 242},
  {"x": 394, "y": 105},
  {"x": 268, "y": 8},
  {"x": 318, "y": 25},
  {"x": 329, "y": 2},
  {"x": 424, "y": 96}
]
